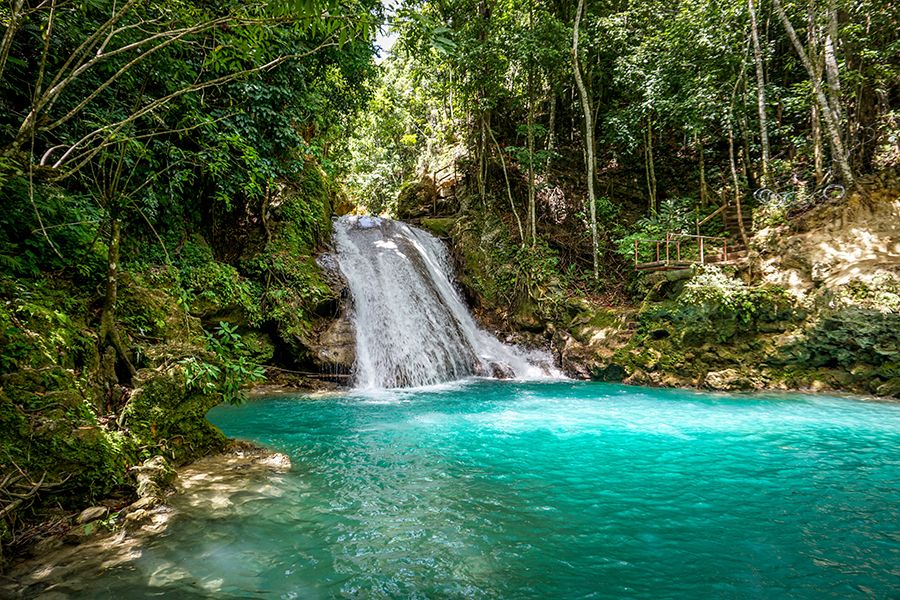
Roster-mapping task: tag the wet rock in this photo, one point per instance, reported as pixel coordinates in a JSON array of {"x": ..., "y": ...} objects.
[
  {"x": 145, "y": 503},
  {"x": 727, "y": 380},
  {"x": 502, "y": 371},
  {"x": 891, "y": 388},
  {"x": 91, "y": 514},
  {"x": 154, "y": 477},
  {"x": 137, "y": 517},
  {"x": 335, "y": 348},
  {"x": 610, "y": 372}
]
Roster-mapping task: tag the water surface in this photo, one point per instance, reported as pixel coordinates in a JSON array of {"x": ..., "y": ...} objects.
[{"x": 546, "y": 490}]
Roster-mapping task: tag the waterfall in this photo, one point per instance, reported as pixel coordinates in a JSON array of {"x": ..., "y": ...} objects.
[{"x": 412, "y": 326}]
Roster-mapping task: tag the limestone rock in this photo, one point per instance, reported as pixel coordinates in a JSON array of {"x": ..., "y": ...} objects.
[
  {"x": 91, "y": 514},
  {"x": 137, "y": 517},
  {"x": 154, "y": 477},
  {"x": 335, "y": 349},
  {"x": 727, "y": 380},
  {"x": 145, "y": 503}
]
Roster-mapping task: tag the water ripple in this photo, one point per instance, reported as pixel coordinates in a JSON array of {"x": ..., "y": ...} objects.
[{"x": 547, "y": 490}]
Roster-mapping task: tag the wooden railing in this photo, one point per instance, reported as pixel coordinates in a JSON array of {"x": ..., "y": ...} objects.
[{"x": 680, "y": 250}]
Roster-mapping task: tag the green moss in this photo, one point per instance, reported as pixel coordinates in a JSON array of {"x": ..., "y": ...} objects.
[
  {"x": 523, "y": 281},
  {"x": 54, "y": 434},
  {"x": 164, "y": 414},
  {"x": 218, "y": 292},
  {"x": 41, "y": 324},
  {"x": 302, "y": 217},
  {"x": 439, "y": 226}
]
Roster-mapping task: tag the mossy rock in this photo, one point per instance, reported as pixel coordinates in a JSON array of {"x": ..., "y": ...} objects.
[
  {"x": 149, "y": 307},
  {"x": 221, "y": 293},
  {"x": 164, "y": 413},
  {"x": 416, "y": 199},
  {"x": 64, "y": 444},
  {"x": 438, "y": 226}
]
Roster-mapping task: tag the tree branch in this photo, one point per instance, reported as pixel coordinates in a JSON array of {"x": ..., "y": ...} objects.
[{"x": 113, "y": 128}]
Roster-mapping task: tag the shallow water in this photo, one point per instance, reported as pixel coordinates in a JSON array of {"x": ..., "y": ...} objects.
[{"x": 545, "y": 490}]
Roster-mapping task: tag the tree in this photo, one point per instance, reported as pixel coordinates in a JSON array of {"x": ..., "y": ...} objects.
[
  {"x": 588, "y": 140},
  {"x": 760, "y": 93},
  {"x": 832, "y": 118}
]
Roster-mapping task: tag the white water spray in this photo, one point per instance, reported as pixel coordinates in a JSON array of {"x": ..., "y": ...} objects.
[{"x": 412, "y": 327}]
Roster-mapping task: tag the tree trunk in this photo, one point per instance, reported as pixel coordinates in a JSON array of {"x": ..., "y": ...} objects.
[
  {"x": 11, "y": 29},
  {"x": 551, "y": 127},
  {"x": 509, "y": 193},
  {"x": 815, "y": 122},
  {"x": 588, "y": 140},
  {"x": 760, "y": 95},
  {"x": 651, "y": 170},
  {"x": 109, "y": 332},
  {"x": 832, "y": 123},
  {"x": 731, "y": 162},
  {"x": 831, "y": 65},
  {"x": 703, "y": 200},
  {"x": 736, "y": 182},
  {"x": 752, "y": 182},
  {"x": 532, "y": 210}
]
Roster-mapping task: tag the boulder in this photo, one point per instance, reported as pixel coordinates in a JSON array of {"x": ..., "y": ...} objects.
[
  {"x": 91, "y": 514},
  {"x": 417, "y": 199},
  {"x": 154, "y": 477},
  {"x": 727, "y": 380}
]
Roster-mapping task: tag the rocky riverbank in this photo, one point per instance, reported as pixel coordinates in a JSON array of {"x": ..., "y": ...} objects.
[
  {"x": 107, "y": 537},
  {"x": 816, "y": 306}
]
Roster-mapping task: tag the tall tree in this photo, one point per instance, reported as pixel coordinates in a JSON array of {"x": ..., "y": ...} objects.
[
  {"x": 588, "y": 139},
  {"x": 760, "y": 93},
  {"x": 832, "y": 120}
]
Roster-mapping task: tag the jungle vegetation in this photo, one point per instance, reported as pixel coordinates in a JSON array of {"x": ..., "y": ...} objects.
[{"x": 169, "y": 171}]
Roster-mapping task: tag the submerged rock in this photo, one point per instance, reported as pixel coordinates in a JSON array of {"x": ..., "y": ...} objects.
[{"x": 214, "y": 486}]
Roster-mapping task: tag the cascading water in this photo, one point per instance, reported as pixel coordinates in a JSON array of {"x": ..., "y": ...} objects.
[{"x": 412, "y": 326}]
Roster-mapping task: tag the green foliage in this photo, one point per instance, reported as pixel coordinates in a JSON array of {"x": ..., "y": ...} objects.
[
  {"x": 217, "y": 289},
  {"x": 505, "y": 275},
  {"x": 714, "y": 290},
  {"x": 231, "y": 372},
  {"x": 675, "y": 215},
  {"x": 38, "y": 326},
  {"x": 881, "y": 293},
  {"x": 70, "y": 223}
]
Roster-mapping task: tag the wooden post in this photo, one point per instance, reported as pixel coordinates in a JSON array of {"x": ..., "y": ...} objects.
[
  {"x": 702, "y": 255},
  {"x": 657, "y": 251},
  {"x": 725, "y": 250},
  {"x": 667, "y": 249},
  {"x": 678, "y": 249}
]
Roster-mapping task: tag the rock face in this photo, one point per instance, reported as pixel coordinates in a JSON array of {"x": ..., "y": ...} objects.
[
  {"x": 587, "y": 348},
  {"x": 163, "y": 412},
  {"x": 727, "y": 380},
  {"x": 335, "y": 347}
]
